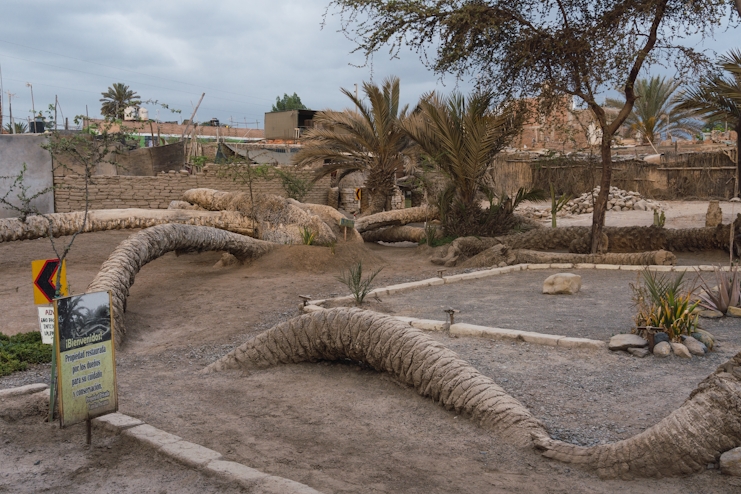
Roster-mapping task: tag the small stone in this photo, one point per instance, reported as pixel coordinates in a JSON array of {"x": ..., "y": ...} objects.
[
  {"x": 562, "y": 283},
  {"x": 730, "y": 462},
  {"x": 625, "y": 341},
  {"x": 638, "y": 352},
  {"x": 734, "y": 311},
  {"x": 660, "y": 336},
  {"x": 704, "y": 337},
  {"x": 714, "y": 216},
  {"x": 680, "y": 350},
  {"x": 663, "y": 349},
  {"x": 711, "y": 314},
  {"x": 695, "y": 347}
]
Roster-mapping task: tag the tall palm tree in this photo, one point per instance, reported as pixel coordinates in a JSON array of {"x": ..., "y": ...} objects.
[
  {"x": 366, "y": 138},
  {"x": 656, "y": 112},
  {"x": 718, "y": 97},
  {"x": 461, "y": 138},
  {"x": 116, "y": 99}
]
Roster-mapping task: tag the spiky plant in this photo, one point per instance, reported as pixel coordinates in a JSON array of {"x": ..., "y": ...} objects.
[
  {"x": 366, "y": 138},
  {"x": 353, "y": 279},
  {"x": 727, "y": 292},
  {"x": 656, "y": 111},
  {"x": 718, "y": 97},
  {"x": 460, "y": 136}
]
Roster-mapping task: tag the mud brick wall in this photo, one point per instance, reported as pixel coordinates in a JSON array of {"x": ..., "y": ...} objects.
[{"x": 116, "y": 192}]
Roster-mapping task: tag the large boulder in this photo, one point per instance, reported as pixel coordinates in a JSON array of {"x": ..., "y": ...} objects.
[
  {"x": 730, "y": 462},
  {"x": 562, "y": 283}
]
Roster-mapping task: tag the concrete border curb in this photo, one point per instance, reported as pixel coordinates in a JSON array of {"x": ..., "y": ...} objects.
[{"x": 23, "y": 390}]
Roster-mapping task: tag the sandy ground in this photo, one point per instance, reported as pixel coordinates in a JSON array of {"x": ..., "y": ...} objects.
[{"x": 341, "y": 427}]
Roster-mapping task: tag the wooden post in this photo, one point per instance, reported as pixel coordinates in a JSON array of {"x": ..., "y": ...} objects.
[{"x": 89, "y": 425}]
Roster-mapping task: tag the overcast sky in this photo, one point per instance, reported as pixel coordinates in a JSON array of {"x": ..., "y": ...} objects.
[{"x": 242, "y": 54}]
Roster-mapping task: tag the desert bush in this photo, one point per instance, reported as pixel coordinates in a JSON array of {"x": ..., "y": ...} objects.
[
  {"x": 307, "y": 235},
  {"x": 665, "y": 302},
  {"x": 17, "y": 351}
]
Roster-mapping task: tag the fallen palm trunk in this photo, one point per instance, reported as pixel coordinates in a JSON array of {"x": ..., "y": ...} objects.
[
  {"x": 496, "y": 255},
  {"x": 397, "y": 217},
  {"x": 395, "y": 234},
  {"x": 332, "y": 218},
  {"x": 279, "y": 220},
  {"x": 691, "y": 437},
  {"x": 626, "y": 239},
  {"x": 119, "y": 219},
  {"x": 119, "y": 270},
  {"x": 390, "y": 346}
]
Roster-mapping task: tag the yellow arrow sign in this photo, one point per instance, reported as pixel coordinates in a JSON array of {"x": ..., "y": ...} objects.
[{"x": 45, "y": 278}]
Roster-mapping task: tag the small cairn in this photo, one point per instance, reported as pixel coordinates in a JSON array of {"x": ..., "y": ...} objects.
[{"x": 617, "y": 200}]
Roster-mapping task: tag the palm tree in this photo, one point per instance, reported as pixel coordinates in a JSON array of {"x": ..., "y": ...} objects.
[
  {"x": 367, "y": 138},
  {"x": 117, "y": 99},
  {"x": 656, "y": 112},
  {"x": 719, "y": 98},
  {"x": 19, "y": 127},
  {"x": 461, "y": 138}
]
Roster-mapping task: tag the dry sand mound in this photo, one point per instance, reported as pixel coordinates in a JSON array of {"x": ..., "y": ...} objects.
[{"x": 315, "y": 259}]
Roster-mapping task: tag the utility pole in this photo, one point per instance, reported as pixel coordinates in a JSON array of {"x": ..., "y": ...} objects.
[
  {"x": 2, "y": 90},
  {"x": 10, "y": 109},
  {"x": 33, "y": 106}
]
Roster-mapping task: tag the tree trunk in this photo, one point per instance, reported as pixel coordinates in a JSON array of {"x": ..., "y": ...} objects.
[
  {"x": 600, "y": 204},
  {"x": 686, "y": 441},
  {"x": 737, "y": 188},
  {"x": 395, "y": 234},
  {"x": 391, "y": 346},
  {"x": 656, "y": 258},
  {"x": 119, "y": 219},
  {"x": 396, "y": 217},
  {"x": 119, "y": 270}
]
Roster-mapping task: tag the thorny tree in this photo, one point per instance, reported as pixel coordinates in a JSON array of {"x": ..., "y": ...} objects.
[{"x": 543, "y": 48}]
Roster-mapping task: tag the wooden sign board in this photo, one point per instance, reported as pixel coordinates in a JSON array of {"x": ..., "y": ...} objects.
[
  {"x": 86, "y": 364},
  {"x": 347, "y": 223}
]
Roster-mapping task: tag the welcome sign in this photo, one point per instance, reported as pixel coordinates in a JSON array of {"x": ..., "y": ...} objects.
[{"x": 86, "y": 365}]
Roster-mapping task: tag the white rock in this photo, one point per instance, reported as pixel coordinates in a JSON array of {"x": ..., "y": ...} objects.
[
  {"x": 562, "y": 283},
  {"x": 734, "y": 311},
  {"x": 730, "y": 462}
]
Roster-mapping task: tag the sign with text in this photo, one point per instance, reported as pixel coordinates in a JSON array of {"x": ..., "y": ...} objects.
[
  {"x": 86, "y": 365},
  {"x": 46, "y": 323},
  {"x": 347, "y": 222},
  {"x": 45, "y": 278}
]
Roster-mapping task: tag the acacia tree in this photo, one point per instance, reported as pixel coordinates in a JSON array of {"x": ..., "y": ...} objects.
[
  {"x": 292, "y": 102},
  {"x": 543, "y": 48},
  {"x": 656, "y": 111},
  {"x": 366, "y": 138}
]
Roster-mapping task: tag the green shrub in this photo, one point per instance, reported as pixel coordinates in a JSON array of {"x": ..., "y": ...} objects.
[
  {"x": 17, "y": 351},
  {"x": 353, "y": 279},
  {"x": 307, "y": 235},
  {"x": 665, "y": 302}
]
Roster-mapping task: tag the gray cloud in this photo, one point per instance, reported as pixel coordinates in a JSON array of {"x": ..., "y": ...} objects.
[{"x": 241, "y": 54}]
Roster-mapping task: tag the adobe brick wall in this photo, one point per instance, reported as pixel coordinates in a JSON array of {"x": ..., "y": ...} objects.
[{"x": 114, "y": 192}]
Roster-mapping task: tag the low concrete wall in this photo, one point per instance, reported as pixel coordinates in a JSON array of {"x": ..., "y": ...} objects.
[
  {"x": 15, "y": 150},
  {"x": 113, "y": 192}
]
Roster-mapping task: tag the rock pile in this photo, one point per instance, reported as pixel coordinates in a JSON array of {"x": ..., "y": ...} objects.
[{"x": 617, "y": 200}]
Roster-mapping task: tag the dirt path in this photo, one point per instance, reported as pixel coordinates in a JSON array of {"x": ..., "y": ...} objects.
[{"x": 337, "y": 427}]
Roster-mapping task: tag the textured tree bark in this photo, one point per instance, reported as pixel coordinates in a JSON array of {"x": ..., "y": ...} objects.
[
  {"x": 119, "y": 219},
  {"x": 627, "y": 239},
  {"x": 396, "y": 217},
  {"x": 600, "y": 202},
  {"x": 119, "y": 270},
  {"x": 278, "y": 219},
  {"x": 697, "y": 433},
  {"x": 655, "y": 258},
  {"x": 395, "y": 234},
  {"x": 390, "y": 346}
]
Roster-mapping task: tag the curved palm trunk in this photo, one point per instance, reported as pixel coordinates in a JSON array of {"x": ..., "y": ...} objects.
[
  {"x": 495, "y": 255},
  {"x": 390, "y": 346},
  {"x": 697, "y": 433},
  {"x": 395, "y": 234},
  {"x": 396, "y": 217},
  {"x": 119, "y": 270},
  {"x": 62, "y": 224}
]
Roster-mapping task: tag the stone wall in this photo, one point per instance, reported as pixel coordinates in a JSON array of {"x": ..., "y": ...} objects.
[{"x": 115, "y": 192}]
